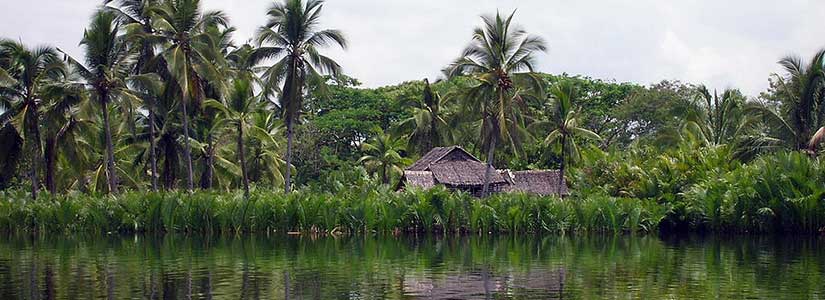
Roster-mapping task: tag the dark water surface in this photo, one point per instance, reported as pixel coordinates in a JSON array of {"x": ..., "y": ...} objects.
[{"x": 506, "y": 267}]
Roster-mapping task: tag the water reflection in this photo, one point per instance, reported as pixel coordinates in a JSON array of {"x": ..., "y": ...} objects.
[{"x": 527, "y": 267}]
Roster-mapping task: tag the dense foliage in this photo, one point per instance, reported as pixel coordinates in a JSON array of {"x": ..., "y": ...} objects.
[{"x": 164, "y": 99}]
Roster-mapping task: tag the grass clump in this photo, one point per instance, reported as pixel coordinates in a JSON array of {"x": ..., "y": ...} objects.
[{"x": 348, "y": 211}]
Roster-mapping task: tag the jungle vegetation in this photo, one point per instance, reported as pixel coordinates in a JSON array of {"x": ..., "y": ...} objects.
[{"x": 164, "y": 104}]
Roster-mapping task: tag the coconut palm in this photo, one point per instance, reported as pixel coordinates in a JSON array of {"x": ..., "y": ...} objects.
[
  {"x": 191, "y": 55},
  {"x": 799, "y": 119},
  {"x": 109, "y": 61},
  {"x": 496, "y": 57},
  {"x": 718, "y": 119},
  {"x": 266, "y": 153},
  {"x": 26, "y": 75},
  {"x": 565, "y": 128},
  {"x": 428, "y": 126},
  {"x": 60, "y": 112},
  {"x": 723, "y": 120},
  {"x": 292, "y": 37},
  {"x": 240, "y": 107},
  {"x": 137, "y": 16},
  {"x": 383, "y": 153}
]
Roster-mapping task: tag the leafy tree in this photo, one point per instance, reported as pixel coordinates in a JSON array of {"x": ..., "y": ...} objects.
[
  {"x": 565, "y": 126},
  {"x": 292, "y": 31},
  {"x": 346, "y": 116},
  {"x": 498, "y": 52},
  {"x": 383, "y": 153},
  {"x": 652, "y": 114}
]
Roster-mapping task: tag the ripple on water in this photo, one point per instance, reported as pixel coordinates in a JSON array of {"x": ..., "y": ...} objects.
[{"x": 529, "y": 267}]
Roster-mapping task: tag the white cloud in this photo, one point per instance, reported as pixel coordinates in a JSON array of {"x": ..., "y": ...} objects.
[{"x": 733, "y": 43}]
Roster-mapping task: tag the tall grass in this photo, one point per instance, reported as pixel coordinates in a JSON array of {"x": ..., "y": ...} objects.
[
  {"x": 692, "y": 191},
  {"x": 701, "y": 191},
  {"x": 354, "y": 211},
  {"x": 783, "y": 192}
]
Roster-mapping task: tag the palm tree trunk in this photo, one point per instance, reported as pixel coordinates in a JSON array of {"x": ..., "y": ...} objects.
[
  {"x": 187, "y": 153},
  {"x": 289, "y": 136},
  {"x": 209, "y": 162},
  {"x": 50, "y": 157},
  {"x": 145, "y": 53},
  {"x": 384, "y": 176},
  {"x": 35, "y": 153},
  {"x": 110, "y": 151},
  {"x": 491, "y": 152},
  {"x": 242, "y": 161},
  {"x": 561, "y": 164},
  {"x": 152, "y": 151},
  {"x": 169, "y": 165}
]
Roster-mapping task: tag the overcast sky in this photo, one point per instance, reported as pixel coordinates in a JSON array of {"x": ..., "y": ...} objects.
[{"x": 731, "y": 43}]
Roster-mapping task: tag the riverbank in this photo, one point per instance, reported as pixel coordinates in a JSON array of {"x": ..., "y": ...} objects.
[{"x": 370, "y": 210}]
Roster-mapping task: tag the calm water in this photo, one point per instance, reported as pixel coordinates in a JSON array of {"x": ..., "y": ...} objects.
[{"x": 552, "y": 267}]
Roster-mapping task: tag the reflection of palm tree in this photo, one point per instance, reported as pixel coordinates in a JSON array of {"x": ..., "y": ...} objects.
[{"x": 499, "y": 50}]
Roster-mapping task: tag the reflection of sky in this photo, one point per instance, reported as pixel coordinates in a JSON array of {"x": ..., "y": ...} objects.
[{"x": 721, "y": 43}]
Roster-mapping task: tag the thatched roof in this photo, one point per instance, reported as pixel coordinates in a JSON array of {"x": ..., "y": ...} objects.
[
  {"x": 422, "y": 179},
  {"x": 441, "y": 154},
  {"x": 453, "y": 166},
  {"x": 464, "y": 173},
  {"x": 540, "y": 182}
]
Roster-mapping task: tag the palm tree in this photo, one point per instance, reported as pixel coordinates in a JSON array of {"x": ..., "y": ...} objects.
[
  {"x": 383, "y": 152},
  {"x": 496, "y": 56},
  {"x": 110, "y": 61},
  {"x": 718, "y": 119},
  {"x": 266, "y": 151},
  {"x": 565, "y": 128},
  {"x": 137, "y": 15},
  {"x": 292, "y": 32},
  {"x": 428, "y": 125},
  {"x": 190, "y": 55},
  {"x": 25, "y": 76},
  {"x": 60, "y": 113},
  {"x": 799, "y": 119},
  {"x": 241, "y": 106},
  {"x": 215, "y": 89}
]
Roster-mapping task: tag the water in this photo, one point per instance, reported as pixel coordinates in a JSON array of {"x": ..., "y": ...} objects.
[{"x": 506, "y": 267}]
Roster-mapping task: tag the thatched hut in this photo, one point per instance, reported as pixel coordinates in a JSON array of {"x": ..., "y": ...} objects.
[{"x": 457, "y": 169}]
